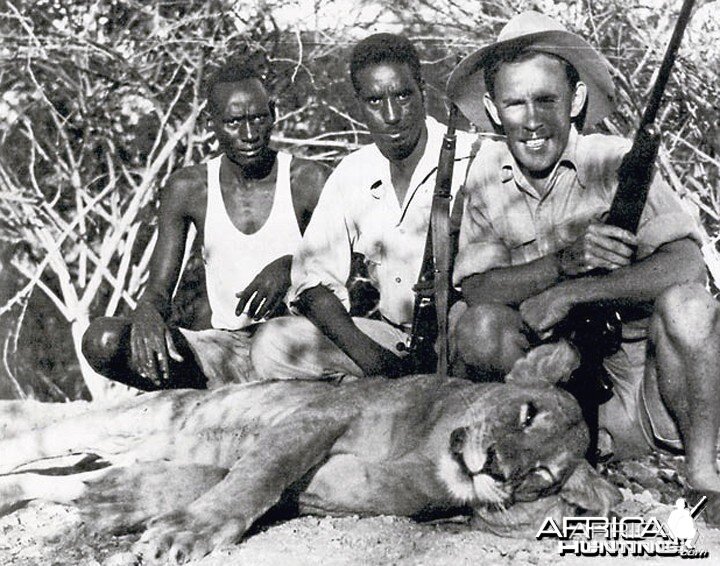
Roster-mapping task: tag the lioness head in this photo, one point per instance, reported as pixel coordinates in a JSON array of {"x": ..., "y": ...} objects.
[
  {"x": 522, "y": 446},
  {"x": 525, "y": 442}
]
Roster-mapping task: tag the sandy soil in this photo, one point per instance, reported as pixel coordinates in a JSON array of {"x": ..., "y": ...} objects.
[{"x": 50, "y": 534}]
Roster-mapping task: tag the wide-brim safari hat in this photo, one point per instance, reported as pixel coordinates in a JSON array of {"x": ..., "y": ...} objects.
[{"x": 533, "y": 30}]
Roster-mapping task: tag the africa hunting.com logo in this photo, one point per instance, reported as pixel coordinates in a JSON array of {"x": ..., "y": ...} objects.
[{"x": 628, "y": 536}]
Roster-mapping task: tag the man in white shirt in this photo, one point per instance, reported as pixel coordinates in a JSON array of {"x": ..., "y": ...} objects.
[{"x": 377, "y": 202}]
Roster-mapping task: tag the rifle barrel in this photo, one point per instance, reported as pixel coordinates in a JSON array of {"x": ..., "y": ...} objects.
[{"x": 663, "y": 75}]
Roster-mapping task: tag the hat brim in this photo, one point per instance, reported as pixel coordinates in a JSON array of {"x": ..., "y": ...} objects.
[{"x": 466, "y": 84}]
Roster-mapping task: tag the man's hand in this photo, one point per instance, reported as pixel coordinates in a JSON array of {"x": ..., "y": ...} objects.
[
  {"x": 267, "y": 290},
  {"x": 376, "y": 360},
  {"x": 151, "y": 345},
  {"x": 543, "y": 311},
  {"x": 600, "y": 246}
]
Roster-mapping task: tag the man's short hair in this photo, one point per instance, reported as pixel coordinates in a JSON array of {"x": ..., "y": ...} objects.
[
  {"x": 232, "y": 71},
  {"x": 518, "y": 56},
  {"x": 383, "y": 48}
]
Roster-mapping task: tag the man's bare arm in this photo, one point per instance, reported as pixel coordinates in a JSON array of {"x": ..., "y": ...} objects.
[
  {"x": 600, "y": 246},
  {"x": 307, "y": 179},
  {"x": 673, "y": 263},
  {"x": 173, "y": 225},
  {"x": 511, "y": 285},
  {"x": 150, "y": 339},
  {"x": 324, "y": 309}
]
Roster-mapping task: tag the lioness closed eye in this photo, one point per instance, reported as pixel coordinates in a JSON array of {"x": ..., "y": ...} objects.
[{"x": 197, "y": 468}]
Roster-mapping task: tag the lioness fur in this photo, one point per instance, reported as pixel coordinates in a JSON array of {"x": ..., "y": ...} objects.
[{"x": 197, "y": 468}]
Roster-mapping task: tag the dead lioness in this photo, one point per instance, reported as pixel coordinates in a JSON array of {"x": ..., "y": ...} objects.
[{"x": 197, "y": 468}]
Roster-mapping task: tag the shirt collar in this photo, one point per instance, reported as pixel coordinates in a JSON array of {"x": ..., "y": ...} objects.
[
  {"x": 429, "y": 160},
  {"x": 572, "y": 157}
]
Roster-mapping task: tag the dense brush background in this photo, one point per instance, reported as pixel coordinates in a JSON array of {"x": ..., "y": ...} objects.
[{"x": 101, "y": 100}]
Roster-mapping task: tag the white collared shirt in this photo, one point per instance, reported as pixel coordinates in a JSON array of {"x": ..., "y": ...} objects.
[{"x": 358, "y": 211}]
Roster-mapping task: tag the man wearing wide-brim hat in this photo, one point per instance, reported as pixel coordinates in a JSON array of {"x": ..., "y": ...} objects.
[{"x": 533, "y": 226}]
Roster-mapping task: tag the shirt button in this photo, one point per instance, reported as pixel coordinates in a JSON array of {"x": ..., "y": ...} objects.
[{"x": 398, "y": 280}]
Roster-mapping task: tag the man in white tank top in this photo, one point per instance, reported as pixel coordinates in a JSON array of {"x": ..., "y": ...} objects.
[{"x": 249, "y": 206}]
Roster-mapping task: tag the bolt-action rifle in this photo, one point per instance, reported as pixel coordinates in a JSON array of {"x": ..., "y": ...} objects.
[
  {"x": 433, "y": 291},
  {"x": 595, "y": 328}
]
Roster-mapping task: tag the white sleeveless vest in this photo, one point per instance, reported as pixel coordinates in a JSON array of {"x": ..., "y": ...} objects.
[{"x": 232, "y": 258}]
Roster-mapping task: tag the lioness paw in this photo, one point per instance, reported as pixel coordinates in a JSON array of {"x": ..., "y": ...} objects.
[
  {"x": 177, "y": 548},
  {"x": 177, "y": 538},
  {"x": 162, "y": 546}
]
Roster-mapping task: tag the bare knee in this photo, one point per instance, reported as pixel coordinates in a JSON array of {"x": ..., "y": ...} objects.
[
  {"x": 488, "y": 337},
  {"x": 272, "y": 344},
  {"x": 104, "y": 342},
  {"x": 687, "y": 315}
]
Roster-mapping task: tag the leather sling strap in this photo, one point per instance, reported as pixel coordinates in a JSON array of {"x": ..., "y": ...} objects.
[{"x": 440, "y": 231}]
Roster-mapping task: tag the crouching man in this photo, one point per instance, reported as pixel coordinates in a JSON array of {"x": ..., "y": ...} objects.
[
  {"x": 377, "y": 203},
  {"x": 533, "y": 225},
  {"x": 250, "y": 205}
]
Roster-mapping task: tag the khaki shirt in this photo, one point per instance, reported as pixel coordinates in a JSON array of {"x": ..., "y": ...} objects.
[{"x": 506, "y": 222}]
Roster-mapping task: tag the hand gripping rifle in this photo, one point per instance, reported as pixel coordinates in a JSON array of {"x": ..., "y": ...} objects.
[
  {"x": 433, "y": 289},
  {"x": 595, "y": 328}
]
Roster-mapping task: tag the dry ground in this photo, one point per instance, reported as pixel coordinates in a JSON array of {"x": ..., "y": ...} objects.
[{"x": 49, "y": 534}]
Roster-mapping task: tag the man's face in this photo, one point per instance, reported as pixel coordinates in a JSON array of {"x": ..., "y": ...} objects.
[
  {"x": 535, "y": 104},
  {"x": 392, "y": 108},
  {"x": 243, "y": 120}
]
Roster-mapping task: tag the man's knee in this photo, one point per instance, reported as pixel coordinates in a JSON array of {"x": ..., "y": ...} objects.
[
  {"x": 488, "y": 336},
  {"x": 104, "y": 341},
  {"x": 275, "y": 344},
  {"x": 687, "y": 315}
]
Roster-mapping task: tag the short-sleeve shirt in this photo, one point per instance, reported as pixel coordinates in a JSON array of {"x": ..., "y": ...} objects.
[
  {"x": 358, "y": 211},
  {"x": 506, "y": 222}
]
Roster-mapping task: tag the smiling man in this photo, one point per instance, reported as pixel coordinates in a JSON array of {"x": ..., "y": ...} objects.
[
  {"x": 377, "y": 203},
  {"x": 533, "y": 223},
  {"x": 250, "y": 206}
]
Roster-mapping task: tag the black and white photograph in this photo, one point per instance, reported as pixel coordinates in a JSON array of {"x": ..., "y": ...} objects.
[{"x": 359, "y": 282}]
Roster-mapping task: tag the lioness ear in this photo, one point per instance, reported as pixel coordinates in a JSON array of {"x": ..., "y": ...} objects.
[
  {"x": 549, "y": 363},
  {"x": 586, "y": 489}
]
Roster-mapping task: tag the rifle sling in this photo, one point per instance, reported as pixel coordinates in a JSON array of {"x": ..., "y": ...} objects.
[{"x": 440, "y": 230}]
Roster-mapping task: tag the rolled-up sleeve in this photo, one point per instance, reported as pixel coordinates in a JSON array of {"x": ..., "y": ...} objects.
[
  {"x": 479, "y": 247},
  {"x": 664, "y": 219},
  {"x": 323, "y": 256}
]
